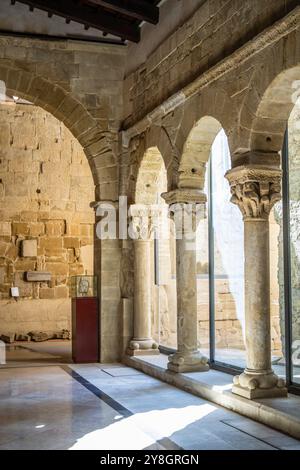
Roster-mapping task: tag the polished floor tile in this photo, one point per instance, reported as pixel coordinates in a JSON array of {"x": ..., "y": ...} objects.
[{"x": 113, "y": 407}]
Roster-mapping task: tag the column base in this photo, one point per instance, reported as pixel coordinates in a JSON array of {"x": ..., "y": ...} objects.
[
  {"x": 260, "y": 392},
  {"x": 254, "y": 384},
  {"x": 142, "y": 352},
  {"x": 193, "y": 362},
  {"x": 143, "y": 347}
]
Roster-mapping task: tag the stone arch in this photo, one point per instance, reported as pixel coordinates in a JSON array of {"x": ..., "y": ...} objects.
[
  {"x": 151, "y": 179},
  {"x": 273, "y": 110},
  {"x": 196, "y": 152},
  {"x": 156, "y": 143},
  {"x": 61, "y": 104},
  {"x": 214, "y": 102}
]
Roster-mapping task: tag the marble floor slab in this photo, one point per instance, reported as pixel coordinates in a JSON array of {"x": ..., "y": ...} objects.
[{"x": 84, "y": 407}]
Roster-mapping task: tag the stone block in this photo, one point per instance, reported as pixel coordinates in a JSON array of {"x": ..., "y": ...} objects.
[
  {"x": 71, "y": 242},
  {"x": 25, "y": 288},
  {"x": 28, "y": 216},
  {"x": 29, "y": 248},
  {"x": 5, "y": 229},
  {"x": 3, "y": 248},
  {"x": 4, "y": 135},
  {"x": 56, "y": 268},
  {"x": 47, "y": 293},
  {"x": 73, "y": 230},
  {"x": 38, "y": 336},
  {"x": 36, "y": 229},
  {"x": 38, "y": 276},
  {"x": 12, "y": 252},
  {"x": 51, "y": 246},
  {"x": 2, "y": 274},
  {"x": 20, "y": 228},
  {"x": 61, "y": 292},
  {"x": 20, "y": 337},
  {"x": 76, "y": 269},
  {"x": 62, "y": 334},
  {"x": 24, "y": 264},
  {"x": 55, "y": 228},
  {"x": 8, "y": 338}
]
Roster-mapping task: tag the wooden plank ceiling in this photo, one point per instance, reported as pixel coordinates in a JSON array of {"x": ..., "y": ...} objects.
[{"x": 122, "y": 18}]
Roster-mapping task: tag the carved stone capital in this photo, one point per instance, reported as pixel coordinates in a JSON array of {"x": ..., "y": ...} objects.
[
  {"x": 255, "y": 190},
  {"x": 144, "y": 221},
  {"x": 104, "y": 204},
  {"x": 185, "y": 196},
  {"x": 187, "y": 207}
]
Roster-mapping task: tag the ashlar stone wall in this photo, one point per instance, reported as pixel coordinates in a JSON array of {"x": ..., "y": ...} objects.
[
  {"x": 215, "y": 30},
  {"x": 46, "y": 188}
]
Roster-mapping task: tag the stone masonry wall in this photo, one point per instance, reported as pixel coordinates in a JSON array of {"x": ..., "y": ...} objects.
[
  {"x": 46, "y": 188},
  {"x": 215, "y": 30}
]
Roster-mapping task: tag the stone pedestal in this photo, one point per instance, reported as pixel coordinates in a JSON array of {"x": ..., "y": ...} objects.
[
  {"x": 142, "y": 342},
  {"x": 255, "y": 190},
  {"x": 190, "y": 204}
]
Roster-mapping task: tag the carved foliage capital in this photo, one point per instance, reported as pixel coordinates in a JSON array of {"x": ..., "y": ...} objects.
[
  {"x": 145, "y": 220},
  {"x": 255, "y": 190}
]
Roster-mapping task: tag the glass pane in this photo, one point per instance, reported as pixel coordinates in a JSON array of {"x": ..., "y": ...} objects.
[
  {"x": 203, "y": 285},
  {"x": 277, "y": 292},
  {"x": 294, "y": 183},
  {"x": 228, "y": 230},
  {"x": 83, "y": 286}
]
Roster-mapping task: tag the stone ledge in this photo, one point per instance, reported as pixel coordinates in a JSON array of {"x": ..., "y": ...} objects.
[{"x": 257, "y": 410}]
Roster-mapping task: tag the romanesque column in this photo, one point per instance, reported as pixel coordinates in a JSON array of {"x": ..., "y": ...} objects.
[
  {"x": 142, "y": 231},
  {"x": 255, "y": 190},
  {"x": 190, "y": 204}
]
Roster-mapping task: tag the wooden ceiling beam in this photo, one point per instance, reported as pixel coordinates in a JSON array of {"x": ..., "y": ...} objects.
[
  {"x": 138, "y": 9},
  {"x": 89, "y": 17}
]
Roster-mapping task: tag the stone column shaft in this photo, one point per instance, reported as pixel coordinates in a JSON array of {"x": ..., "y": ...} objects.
[
  {"x": 186, "y": 297},
  {"x": 142, "y": 291},
  {"x": 255, "y": 190},
  {"x": 257, "y": 298},
  {"x": 142, "y": 342},
  {"x": 187, "y": 358}
]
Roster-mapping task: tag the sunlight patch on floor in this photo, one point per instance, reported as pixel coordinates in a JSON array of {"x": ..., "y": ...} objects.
[{"x": 142, "y": 429}]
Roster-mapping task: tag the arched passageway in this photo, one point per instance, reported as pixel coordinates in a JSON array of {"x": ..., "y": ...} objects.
[
  {"x": 47, "y": 227},
  {"x": 154, "y": 278}
]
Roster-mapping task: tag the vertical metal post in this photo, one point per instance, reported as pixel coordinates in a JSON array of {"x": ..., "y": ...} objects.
[
  {"x": 211, "y": 256},
  {"x": 157, "y": 278},
  {"x": 287, "y": 259}
]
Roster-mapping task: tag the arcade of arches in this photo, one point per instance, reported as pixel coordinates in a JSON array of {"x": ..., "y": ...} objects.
[{"x": 205, "y": 117}]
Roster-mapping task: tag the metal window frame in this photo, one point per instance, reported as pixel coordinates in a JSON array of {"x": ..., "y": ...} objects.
[
  {"x": 214, "y": 364},
  {"x": 288, "y": 298},
  {"x": 229, "y": 368}
]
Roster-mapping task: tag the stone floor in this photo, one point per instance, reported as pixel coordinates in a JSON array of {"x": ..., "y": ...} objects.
[
  {"x": 30, "y": 354},
  {"x": 220, "y": 381},
  {"x": 116, "y": 407},
  {"x": 58, "y": 351},
  {"x": 48, "y": 403}
]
